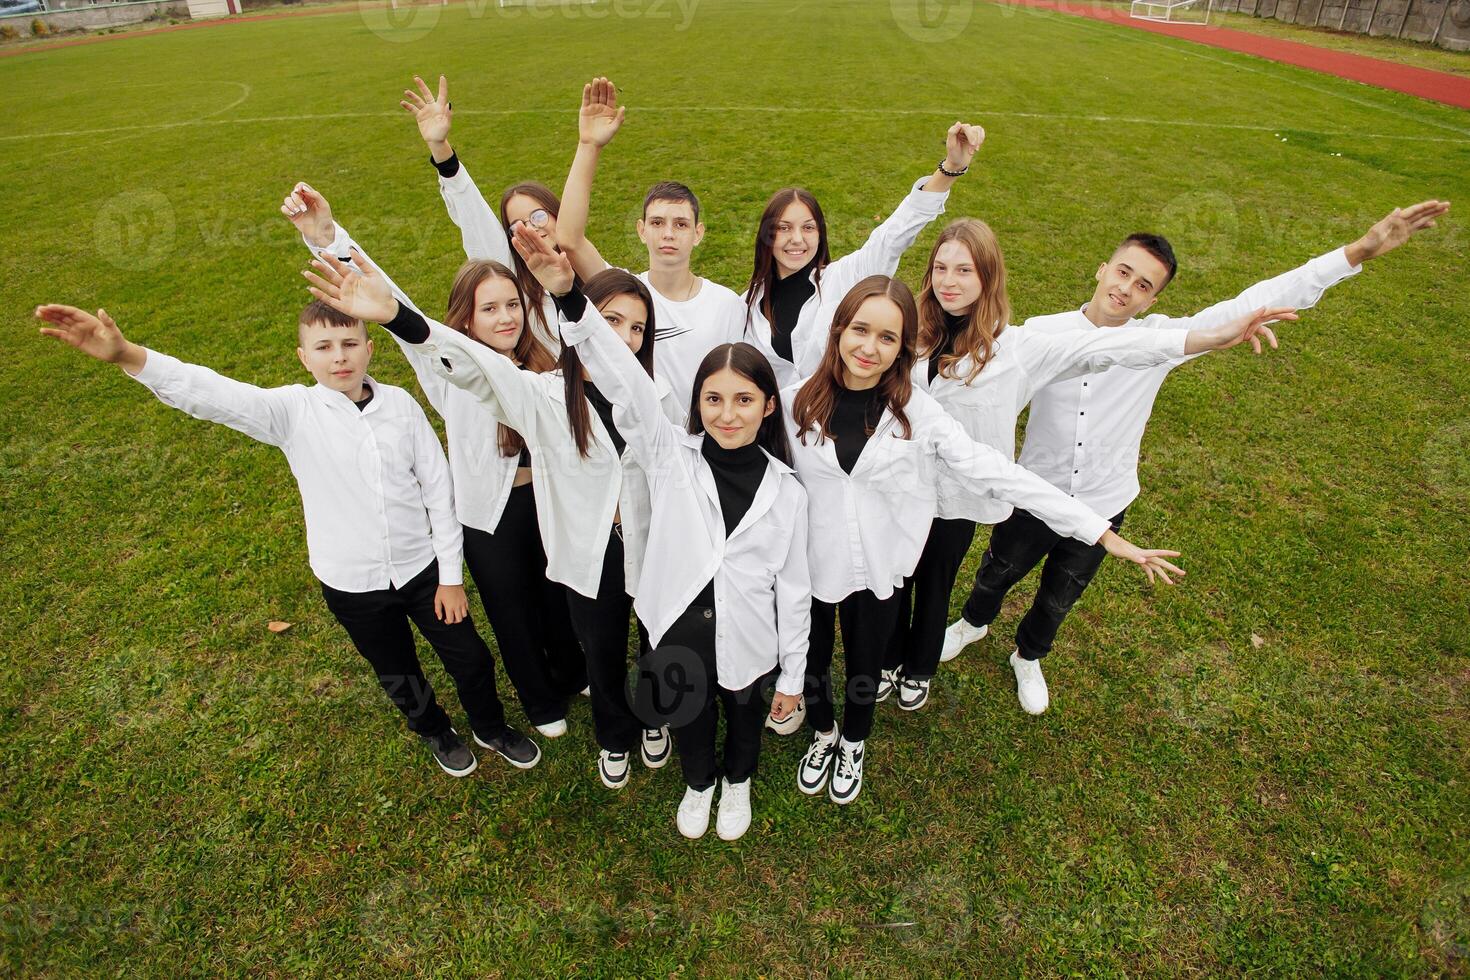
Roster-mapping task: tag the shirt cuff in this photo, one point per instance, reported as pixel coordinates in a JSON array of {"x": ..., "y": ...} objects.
[
  {"x": 789, "y": 683},
  {"x": 1093, "y": 528},
  {"x": 1334, "y": 266},
  {"x": 929, "y": 202},
  {"x": 156, "y": 368},
  {"x": 340, "y": 246},
  {"x": 452, "y": 573},
  {"x": 448, "y": 168},
  {"x": 408, "y": 325},
  {"x": 1172, "y": 342}
]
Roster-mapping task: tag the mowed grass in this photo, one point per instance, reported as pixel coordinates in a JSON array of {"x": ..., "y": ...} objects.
[{"x": 1263, "y": 770}]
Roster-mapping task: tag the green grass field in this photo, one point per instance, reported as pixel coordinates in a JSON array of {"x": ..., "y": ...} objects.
[{"x": 1263, "y": 770}]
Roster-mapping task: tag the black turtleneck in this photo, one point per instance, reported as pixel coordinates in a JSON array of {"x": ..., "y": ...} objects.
[
  {"x": 604, "y": 411},
  {"x": 738, "y": 474},
  {"x": 854, "y": 417},
  {"x": 953, "y": 325},
  {"x": 788, "y": 296}
]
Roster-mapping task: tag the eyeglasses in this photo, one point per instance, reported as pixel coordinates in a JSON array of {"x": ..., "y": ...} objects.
[{"x": 536, "y": 219}]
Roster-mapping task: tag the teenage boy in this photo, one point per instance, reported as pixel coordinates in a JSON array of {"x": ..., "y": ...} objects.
[
  {"x": 1084, "y": 433},
  {"x": 381, "y": 533},
  {"x": 691, "y": 313}
]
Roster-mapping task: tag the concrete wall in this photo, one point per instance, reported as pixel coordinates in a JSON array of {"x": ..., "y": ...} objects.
[
  {"x": 66, "y": 15},
  {"x": 1442, "y": 22}
]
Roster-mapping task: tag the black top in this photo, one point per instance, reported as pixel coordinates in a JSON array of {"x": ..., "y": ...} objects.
[
  {"x": 787, "y": 298},
  {"x": 854, "y": 418},
  {"x": 738, "y": 474},
  {"x": 952, "y": 326},
  {"x": 604, "y": 411},
  {"x": 448, "y": 168},
  {"x": 367, "y": 397}
]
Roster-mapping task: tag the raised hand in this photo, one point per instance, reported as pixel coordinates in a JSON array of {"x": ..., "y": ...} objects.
[
  {"x": 600, "y": 115},
  {"x": 433, "y": 114},
  {"x": 311, "y": 214},
  {"x": 960, "y": 144},
  {"x": 1397, "y": 227},
  {"x": 551, "y": 268},
  {"x": 1152, "y": 561},
  {"x": 360, "y": 292},
  {"x": 96, "y": 336},
  {"x": 1251, "y": 326}
]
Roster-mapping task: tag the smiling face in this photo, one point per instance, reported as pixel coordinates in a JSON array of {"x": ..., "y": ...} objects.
[
  {"x": 336, "y": 356},
  {"x": 524, "y": 208},
  {"x": 870, "y": 343},
  {"x": 1127, "y": 284},
  {"x": 498, "y": 316},
  {"x": 628, "y": 316},
  {"x": 795, "y": 238},
  {"x": 731, "y": 406},
  {"x": 956, "y": 281},
  {"x": 670, "y": 231}
]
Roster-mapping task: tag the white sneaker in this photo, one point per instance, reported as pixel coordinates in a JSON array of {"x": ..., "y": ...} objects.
[
  {"x": 816, "y": 765},
  {"x": 553, "y": 729},
  {"x": 1030, "y": 685},
  {"x": 657, "y": 747},
  {"x": 733, "y": 819},
  {"x": 791, "y": 724},
  {"x": 912, "y": 694},
  {"x": 586, "y": 692},
  {"x": 612, "y": 768},
  {"x": 960, "y": 635},
  {"x": 693, "y": 816},
  {"x": 887, "y": 681},
  {"x": 847, "y": 773}
]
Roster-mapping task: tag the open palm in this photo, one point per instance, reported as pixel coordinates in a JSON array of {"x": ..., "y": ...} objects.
[
  {"x": 600, "y": 115},
  {"x": 432, "y": 113},
  {"x": 1401, "y": 224},
  {"x": 359, "y": 290},
  {"x": 96, "y": 336}
]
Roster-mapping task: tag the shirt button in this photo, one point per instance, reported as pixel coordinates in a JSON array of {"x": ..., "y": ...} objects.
[{"x": 1084, "y": 384}]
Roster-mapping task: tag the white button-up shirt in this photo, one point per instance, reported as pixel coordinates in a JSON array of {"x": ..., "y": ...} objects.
[
  {"x": 1021, "y": 362},
  {"x": 761, "y": 586},
  {"x": 868, "y": 528},
  {"x": 374, "y": 485},
  {"x": 879, "y": 255},
  {"x": 1084, "y": 433}
]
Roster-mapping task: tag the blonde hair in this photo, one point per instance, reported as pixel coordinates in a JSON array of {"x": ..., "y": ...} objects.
[{"x": 986, "y": 319}]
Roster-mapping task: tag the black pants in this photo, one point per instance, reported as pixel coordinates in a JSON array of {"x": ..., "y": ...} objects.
[
  {"x": 1016, "y": 545},
  {"x": 527, "y": 611},
  {"x": 378, "y": 624},
  {"x": 916, "y": 645},
  {"x": 867, "y": 623},
  {"x": 601, "y": 626},
  {"x": 679, "y": 685}
]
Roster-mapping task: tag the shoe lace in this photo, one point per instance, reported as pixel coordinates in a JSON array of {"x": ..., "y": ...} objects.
[
  {"x": 816, "y": 756},
  {"x": 847, "y": 763}
]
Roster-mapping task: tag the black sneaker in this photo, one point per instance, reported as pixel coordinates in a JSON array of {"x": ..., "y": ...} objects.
[
  {"x": 453, "y": 756},
  {"x": 514, "y": 747}
]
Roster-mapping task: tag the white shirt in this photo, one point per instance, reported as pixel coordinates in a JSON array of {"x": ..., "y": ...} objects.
[
  {"x": 761, "y": 586},
  {"x": 868, "y": 528},
  {"x": 879, "y": 255},
  {"x": 1021, "y": 362},
  {"x": 483, "y": 476},
  {"x": 374, "y": 485},
  {"x": 686, "y": 330},
  {"x": 1084, "y": 433}
]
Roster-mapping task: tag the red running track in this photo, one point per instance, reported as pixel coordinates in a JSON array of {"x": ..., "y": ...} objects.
[{"x": 1436, "y": 86}]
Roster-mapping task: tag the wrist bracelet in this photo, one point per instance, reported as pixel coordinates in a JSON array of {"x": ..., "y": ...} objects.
[{"x": 952, "y": 173}]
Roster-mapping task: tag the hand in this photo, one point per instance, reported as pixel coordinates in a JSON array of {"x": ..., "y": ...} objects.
[
  {"x": 1251, "y": 326},
  {"x": 450, "y": 604},
  {"x": 783, "y": 704},
  {"x": 600, "y": 116},
  {"x": 96, "y": 336},
  {"x": 1152, "y": 561},
  {"x": 960, "y": 144},
  {"x": 360, "y": 292},
  {"x": 311, "y": 214},
  {"x": 1397, "y": 227},
  {"x": 551, "y": 268},
  {"x": 432, "y": 114}
]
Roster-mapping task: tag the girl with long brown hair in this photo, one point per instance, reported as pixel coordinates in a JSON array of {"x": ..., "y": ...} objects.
[{"x": 868, "y": 444}]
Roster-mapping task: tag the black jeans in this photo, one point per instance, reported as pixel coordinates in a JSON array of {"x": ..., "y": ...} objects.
[
  {"x": 527, "y": 611},
  {"x": 867, "y": 623},
  {"x": 601, "y": 626},
  {"x": 1016, "y": 545},
  {"x": 915, "y": 647},
  {"x": 378, "y": 622},
  {"x": 679, "y": 685}
]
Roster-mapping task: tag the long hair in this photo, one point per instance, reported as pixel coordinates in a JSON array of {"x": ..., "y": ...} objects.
[
  {"x": 986, "y": 319},
  {"x": 818, "y": 397},
  {"x": 528, "y": 350},
  {"x": 531, "y": 287},
  {"x": 766, "y": 273},
  {"x": 599, "y": 290},
  {"x": 752, "y": 365}
]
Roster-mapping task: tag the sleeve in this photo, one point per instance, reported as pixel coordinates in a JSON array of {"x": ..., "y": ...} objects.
[
  {"x": 996, "y": 475},
  {"x": 794, "y": 607},
  {"x": 1301, "y": 288},
  {"x": 885, "y": 246},
  {"x": 432, "y": 471},
  {"x": 264, "y": 414},
  {"x": 618, "y": 375},
  {"x": 514, "y": 396},
  {"x": 479, "y": 226},
  {"x": 1058, "y": 356}
]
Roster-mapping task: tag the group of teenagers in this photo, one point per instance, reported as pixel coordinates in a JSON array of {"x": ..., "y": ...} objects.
[{"x": 744, "y": 472}]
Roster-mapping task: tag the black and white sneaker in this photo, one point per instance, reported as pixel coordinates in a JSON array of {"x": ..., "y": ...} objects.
[
  {"x": 816, "y": 765},
  {"x": 912, "y": 694},
  {"x": 887, "y": 681},
  {"x": 513, "y": 747},
  {"x": 657, "y": 747},
  {"x": 612, "y": 768},
  {"x": 847, "y": 774},
  {"x": 453, "y": 756}
]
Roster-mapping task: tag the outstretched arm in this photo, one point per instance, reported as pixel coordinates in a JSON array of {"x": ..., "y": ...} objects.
[{"x": 597, "y": 123}]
